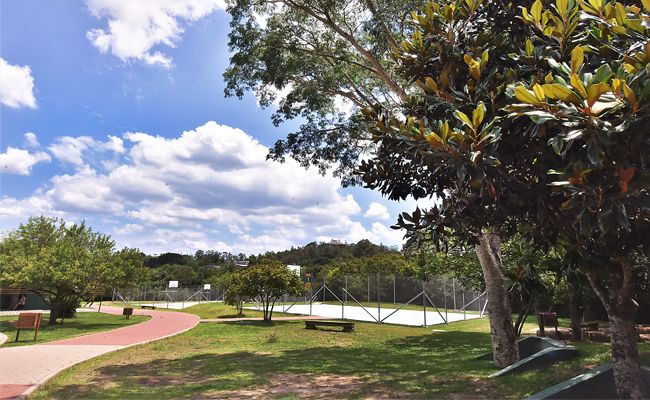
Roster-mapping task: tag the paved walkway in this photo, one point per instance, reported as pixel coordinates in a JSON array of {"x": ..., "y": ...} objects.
[{"x": 25, "y": 368}]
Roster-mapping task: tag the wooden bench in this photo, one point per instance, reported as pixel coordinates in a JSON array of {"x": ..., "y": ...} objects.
[
  {"x": 127, "y": 312},
  {"x": 28, "y": 321},
  {"x": 152, "y": 307},
  {"x": 347, "y": 326},
  {"x": 546, "y": 320}
]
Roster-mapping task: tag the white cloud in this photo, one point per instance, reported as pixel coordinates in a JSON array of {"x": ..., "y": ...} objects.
[
  {"x": 70, "y": 149},
  {"x": 378, "y": 211},
  {"x": 136, "y": 27},
  {"x": 176, "y": 192},
  {"x": 31, "y": 140},
  {"x": 114, "y": 144},
  {"x": 19, "y": 161},
  {"x": 129, "y": 229},
  {"x": 16, "y": 85},
  {"x": 81, "y": 150}
]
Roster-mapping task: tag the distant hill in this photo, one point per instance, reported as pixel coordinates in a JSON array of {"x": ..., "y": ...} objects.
[{"x": 318, "y": 254}]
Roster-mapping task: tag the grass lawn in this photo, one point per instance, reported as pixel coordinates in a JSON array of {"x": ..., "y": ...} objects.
[
  {"x": 209, "y": 310},
  {"x": 220, "y": 310},
  {"x": 81, "y": 324},
  {"x": 283, "y": 360}
]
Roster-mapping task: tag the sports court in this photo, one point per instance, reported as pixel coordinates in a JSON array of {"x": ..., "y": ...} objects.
[{"x": 376, "y": 314}]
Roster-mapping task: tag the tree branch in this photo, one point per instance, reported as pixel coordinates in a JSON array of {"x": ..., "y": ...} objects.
[
  {"x": 380, "y": 70},
  {"x": 380, "y": 21}
]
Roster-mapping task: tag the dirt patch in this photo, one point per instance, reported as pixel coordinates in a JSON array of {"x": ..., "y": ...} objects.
[{"x": 312, "y": 386}]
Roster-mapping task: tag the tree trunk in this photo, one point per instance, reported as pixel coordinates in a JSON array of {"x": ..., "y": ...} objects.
[
  {"x": 504, "y": 338},
  {"x": 614, "y": 286},
  {"x": 576, "y": 309},
  {"x": 55, "y": 310}
]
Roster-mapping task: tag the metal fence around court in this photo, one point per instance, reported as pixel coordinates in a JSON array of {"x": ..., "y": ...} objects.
[
  {"x": 375, "y": 298},
  {"x": 388, "y": 299},
  {"x": 178, "y": 298}
]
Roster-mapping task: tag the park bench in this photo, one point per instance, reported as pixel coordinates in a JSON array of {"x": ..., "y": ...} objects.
[
  {"x": 28, "y": 321},
  {"x": 347, "y": 326},
  {"x": 127, "y": 312},
  {"x": 547, "y": 319},
  {"x": 151, "y": 307}
]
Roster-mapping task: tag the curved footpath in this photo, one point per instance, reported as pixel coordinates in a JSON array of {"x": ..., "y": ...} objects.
[{"x": 25, "y": 368}]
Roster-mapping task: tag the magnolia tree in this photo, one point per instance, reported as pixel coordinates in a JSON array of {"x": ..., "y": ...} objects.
[
  {"x": 265, "y": 281},
  {"x": 64, "y": 263},
  {"x": 533, "y": 120}
]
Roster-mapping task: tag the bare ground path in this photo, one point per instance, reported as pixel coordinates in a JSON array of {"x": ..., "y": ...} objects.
[{"x": 25, "y": 368}]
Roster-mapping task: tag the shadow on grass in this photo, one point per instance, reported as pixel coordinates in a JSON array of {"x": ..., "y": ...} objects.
[
  {"x": 403, "y": 362},
  {"x": 424, "y": 366}
]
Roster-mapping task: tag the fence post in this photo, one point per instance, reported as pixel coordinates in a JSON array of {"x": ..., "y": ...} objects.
[
  {"x": 424, "y": 305},
  {"x": 345, "y": 296},
  {"x": 368, "y": 288},
  {"x": 379, "y": 296},
  {"x": 444, "y": 293},
  {"x": 394, "y": 297},
  {"x": 463, "y": 299},
  {"x": 453, "y": 287}
]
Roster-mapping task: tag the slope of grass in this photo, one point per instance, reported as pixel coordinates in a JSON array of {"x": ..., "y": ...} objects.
[
  {"x": 82, "y": 323},
  {"x": 282, "y": 359}
]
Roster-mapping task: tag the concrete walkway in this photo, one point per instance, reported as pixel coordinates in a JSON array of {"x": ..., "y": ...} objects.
[{"x": 23, "y": 369}]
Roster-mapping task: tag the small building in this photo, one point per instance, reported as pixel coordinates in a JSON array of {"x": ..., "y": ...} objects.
[{"x": 10, "y": 300}]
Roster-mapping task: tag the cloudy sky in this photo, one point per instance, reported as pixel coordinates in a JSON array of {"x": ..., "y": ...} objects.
[{"x": 113, "y": 111}]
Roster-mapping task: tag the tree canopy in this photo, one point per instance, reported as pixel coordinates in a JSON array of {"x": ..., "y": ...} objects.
[
  {"x": 65, "y": 263},
  {"x": 534, "y": 120},
  {"x": 264, "y": 281},
  {"x": 321, "y": 53}
]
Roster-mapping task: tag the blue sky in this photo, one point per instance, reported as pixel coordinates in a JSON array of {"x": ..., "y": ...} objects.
[{"x": 113, "y": 111}]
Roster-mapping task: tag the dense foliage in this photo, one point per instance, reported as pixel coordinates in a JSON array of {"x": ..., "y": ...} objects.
[
  {"x": 314, "y": 255},
  {"x": 532, "y": 119},
  {"x": 264, "y": 281},
  {"x": 325, "y": 56},
  {"x": 65, "y": 263}
]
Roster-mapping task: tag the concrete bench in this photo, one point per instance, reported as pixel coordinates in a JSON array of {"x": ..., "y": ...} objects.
[{"x": 347, "y": 326}]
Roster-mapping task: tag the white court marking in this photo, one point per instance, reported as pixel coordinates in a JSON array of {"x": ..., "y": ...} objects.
[{"x": 356, "y": 313}]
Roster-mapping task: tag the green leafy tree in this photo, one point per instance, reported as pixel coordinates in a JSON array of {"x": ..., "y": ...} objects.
[
  {"x": 265, "y": 281},
  {"x": 234, "y": 296},
  {"x": 535, "y": 120},
  {"x": 64, "y": 263},
  {"x": 383, "y": 263},
  {"x": 318, "y": 52},
  {"x": 456, "y": 261}
]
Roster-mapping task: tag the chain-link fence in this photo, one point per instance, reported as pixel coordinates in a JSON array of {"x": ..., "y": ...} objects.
[
  {"x": 177, "y": 298},
  {"x": 374, "y": 297},
  {"x": 388, "y": 299}
]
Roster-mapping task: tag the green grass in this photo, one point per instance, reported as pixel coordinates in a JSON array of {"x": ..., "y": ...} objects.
[
  {"x": 209, "y": 310},
  {"x": 220, "y": 310},
  {"x": 81, "y": 324},
  {"x": 283, "y": 360}
]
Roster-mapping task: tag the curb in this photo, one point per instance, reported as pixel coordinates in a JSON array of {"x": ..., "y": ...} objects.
[{"x": 33, "y": 388}]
